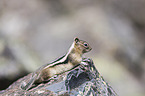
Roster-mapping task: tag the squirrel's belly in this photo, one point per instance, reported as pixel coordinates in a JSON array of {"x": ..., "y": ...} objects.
[{"x": 58, "y": 69}]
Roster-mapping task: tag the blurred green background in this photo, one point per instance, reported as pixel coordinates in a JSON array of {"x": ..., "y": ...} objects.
[{"x": 35, "y": 32}]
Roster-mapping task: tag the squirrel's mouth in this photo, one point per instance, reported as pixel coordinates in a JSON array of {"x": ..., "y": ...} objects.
[
  {"x": 87, "y": 50},
  {"x": 90, "y": 49}
]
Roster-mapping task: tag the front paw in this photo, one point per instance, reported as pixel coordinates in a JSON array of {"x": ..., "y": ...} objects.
[{"x": 88, "y": 61}]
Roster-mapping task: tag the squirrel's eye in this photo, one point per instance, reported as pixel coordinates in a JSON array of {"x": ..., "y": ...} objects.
[{"x": 85, "y": 44}]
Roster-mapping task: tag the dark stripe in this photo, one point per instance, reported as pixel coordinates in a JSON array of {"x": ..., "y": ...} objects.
[
  {"x": 64, "y": 62},
  {"x": 57, "y": 59}
]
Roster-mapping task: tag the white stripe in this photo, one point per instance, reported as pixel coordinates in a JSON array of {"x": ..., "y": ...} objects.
[{"x": 63, "y": 59}]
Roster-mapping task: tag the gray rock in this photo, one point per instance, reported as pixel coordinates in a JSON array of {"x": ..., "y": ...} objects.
[{"x": 83, "y": 80}]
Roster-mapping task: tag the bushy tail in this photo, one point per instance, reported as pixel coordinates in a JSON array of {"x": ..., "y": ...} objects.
[{"x": 27, "y": 86}]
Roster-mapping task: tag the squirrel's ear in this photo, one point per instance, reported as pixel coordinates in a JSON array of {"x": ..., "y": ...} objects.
[{"x": 76, "y": 40}]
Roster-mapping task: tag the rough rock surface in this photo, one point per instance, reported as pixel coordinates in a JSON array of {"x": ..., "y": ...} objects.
[{"x": 83, "y": 80}]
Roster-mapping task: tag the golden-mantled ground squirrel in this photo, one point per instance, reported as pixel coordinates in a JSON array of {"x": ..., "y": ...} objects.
[{"x": 72, "y": 58}]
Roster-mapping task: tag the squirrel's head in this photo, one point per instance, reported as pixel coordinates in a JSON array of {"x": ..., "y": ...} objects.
[{"x": 81, "y": 46}]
